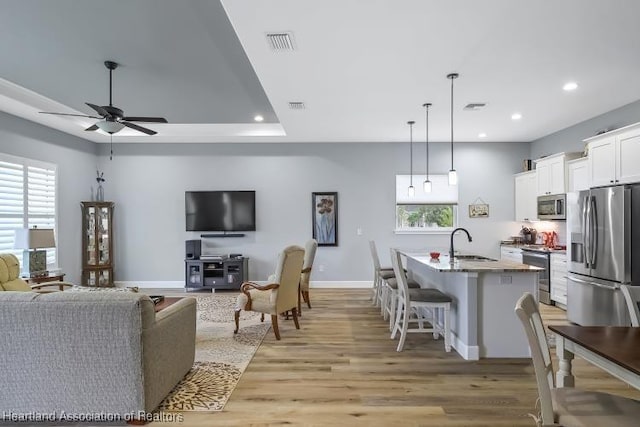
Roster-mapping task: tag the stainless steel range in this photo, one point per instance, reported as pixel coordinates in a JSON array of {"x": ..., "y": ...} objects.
[{"x": 539, "y": 257}]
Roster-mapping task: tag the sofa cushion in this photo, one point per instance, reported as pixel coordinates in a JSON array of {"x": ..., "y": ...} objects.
[
  {"x": 11, "y": 268},
  {"x": 16, "y": 285}
]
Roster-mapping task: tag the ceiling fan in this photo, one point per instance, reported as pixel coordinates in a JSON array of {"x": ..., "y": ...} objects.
[{"x": 113, "y": 118}]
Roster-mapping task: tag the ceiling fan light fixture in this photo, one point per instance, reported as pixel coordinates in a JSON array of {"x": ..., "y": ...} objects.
[{"x": 110, "y": 126}]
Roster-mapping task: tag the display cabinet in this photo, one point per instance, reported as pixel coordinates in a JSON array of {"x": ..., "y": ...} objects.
[{"x": 97, "y": 244}]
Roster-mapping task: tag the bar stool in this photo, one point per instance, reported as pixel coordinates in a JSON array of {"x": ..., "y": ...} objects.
[{"x": 424, "y": 304}]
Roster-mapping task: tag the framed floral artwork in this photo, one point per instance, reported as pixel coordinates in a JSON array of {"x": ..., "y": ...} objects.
[{"x": 325, "y": 218}]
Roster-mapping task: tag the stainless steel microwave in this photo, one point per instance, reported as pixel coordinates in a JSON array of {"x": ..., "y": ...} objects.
[{"x": 552, "y": 207}]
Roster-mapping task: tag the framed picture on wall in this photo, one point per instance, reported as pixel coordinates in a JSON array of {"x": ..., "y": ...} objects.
[{"x": 325, "y": 218}]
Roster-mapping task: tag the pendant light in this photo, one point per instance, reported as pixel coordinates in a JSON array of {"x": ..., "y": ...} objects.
[
  {"x": 427, "y": 182},
  {"x": 411, "y": 190},
  {"x": 453, "y": 175}
]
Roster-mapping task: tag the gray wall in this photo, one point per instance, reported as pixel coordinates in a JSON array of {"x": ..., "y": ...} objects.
[
  {"x": 148, "y": 181},
  {"x": 76, "y": 160},
  {"x": 570, "y": 139}
]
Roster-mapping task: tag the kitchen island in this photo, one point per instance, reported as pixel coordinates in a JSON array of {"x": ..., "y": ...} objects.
[{"x": 484, "y": 293}]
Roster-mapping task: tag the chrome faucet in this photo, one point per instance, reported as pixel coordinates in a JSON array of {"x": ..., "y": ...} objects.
[{"x": 451, "y": 246}]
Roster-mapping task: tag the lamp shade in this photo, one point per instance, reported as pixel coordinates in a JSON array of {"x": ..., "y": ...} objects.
[{"x": 34, "y": 238}]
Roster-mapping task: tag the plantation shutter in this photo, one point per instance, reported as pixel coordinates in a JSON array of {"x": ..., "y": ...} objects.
[
  {"x": 41, "y": 202},
  {"x": 11, "y": 205},
  {"x": 27, "y": 199}
]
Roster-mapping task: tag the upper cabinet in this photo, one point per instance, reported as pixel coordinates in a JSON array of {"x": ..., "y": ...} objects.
[
  {"x": 551, "y": 173},
  {"x": 578, "y": 175},
  {"x": 526, "y": 205},
  {"x": 614, "y": 157}
]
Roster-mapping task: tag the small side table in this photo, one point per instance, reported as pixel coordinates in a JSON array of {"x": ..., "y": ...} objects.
[{"x": 45, "y": 279}]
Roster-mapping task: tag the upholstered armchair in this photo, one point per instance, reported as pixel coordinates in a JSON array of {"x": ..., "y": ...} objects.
[
  {"x": 309, "y": 255},
  {"x": 10, "y": 278},
  {"x": 278, "y": 296}
]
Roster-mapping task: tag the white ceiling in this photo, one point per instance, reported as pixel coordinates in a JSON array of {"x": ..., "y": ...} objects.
[{"x": 363, "y": 68}]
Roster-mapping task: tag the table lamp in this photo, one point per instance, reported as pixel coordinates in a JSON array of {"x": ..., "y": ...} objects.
[{"x": 34, "y": 241}]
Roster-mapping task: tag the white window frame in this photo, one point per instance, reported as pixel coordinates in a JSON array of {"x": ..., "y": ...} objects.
[
  {"x": 26, "y": 163},
  {"x": 441, "y": 194}
]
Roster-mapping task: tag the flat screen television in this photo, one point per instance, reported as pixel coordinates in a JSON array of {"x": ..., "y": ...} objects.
[{"x": 220, "y": 210}]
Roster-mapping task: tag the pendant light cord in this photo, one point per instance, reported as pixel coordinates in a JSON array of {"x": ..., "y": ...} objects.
[
  {"x": 426, "y": 106},
  {"x": 452, "y": 77},
  {"x": 111, "y": 147},
  {"x": 410, "y": 123}
]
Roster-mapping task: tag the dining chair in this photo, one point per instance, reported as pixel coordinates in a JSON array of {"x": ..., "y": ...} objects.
[
  {"x": 632, "y": 297},
  {"x": 568, "y": 406},
  {"x": 379, "y": 275},
  {"x": 419, "y": 306}
]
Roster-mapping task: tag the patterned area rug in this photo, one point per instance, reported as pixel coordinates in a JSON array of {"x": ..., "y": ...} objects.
[{"x": 221, "y": 356}]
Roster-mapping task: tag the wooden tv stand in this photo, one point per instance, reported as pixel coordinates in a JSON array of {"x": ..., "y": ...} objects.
[{"x": 222, "y": 273}]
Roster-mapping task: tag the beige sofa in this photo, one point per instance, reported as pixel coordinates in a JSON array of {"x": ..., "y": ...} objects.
[{"x": 91, "y": 352}]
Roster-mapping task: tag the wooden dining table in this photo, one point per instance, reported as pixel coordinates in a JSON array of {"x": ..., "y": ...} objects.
[{"x": 615, "y": 349}]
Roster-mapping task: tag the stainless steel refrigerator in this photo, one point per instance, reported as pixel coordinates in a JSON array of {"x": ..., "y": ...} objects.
[{"x": 603, "y": 226}]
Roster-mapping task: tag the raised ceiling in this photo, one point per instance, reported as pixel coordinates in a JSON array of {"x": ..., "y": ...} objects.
[{"x": 362, "y": 68}]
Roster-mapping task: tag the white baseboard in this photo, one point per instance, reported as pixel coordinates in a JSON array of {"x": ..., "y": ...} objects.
[
  {"x": 471, "y": 352},
  {"x": 337, "y": 284}
]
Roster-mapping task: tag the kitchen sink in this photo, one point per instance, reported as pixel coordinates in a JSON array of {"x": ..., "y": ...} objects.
[{"x": 474, "y": 258}]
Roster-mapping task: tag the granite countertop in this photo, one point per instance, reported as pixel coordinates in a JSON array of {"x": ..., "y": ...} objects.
[
  {"x": 471, "y": 266},
  {"x": 534, "y": 247}
]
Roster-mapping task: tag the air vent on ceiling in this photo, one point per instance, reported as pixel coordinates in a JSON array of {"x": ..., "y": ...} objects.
[
  {"x": 297, "y": 105},
  {"x": 280, "y": 41},
  {"x": 475, "y": 106}
]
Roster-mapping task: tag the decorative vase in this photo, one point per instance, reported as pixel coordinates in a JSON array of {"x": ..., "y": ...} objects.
[{"x": 100, "y": 194}]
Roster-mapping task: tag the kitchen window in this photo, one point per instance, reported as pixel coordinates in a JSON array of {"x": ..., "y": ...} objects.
[
  {"x": 434, "y": 212},
  {"x": 27, "y": 199}
]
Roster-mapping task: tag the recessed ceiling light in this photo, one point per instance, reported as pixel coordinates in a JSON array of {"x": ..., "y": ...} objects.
[
  {"x": 258, "y": 118},
  {"x": 570, "y": 86},
  {"x": 516, "y": 116},
  {"x": 482, "y": 135}
]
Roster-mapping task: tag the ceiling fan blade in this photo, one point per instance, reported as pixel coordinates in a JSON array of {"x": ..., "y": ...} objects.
[
  {"x": 139, "y": 128},
  {"x": 146, "y": 119},
  {"x": 99, "y": 110},
  {"x": 93, "y": 127},
  {"x": 67, "y": 114}
]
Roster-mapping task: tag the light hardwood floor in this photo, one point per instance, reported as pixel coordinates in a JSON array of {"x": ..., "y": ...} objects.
[{"x": 341, "y": 368}]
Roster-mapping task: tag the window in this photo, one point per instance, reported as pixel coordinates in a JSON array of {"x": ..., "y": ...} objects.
[
  {"x": 426, "y": 212},
  {"x": 27, "y": 199}
]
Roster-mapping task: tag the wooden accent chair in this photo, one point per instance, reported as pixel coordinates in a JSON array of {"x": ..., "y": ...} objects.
[
  {"x": 632, "y": 297},
  {"x": 277, "y": 297},
  {"x": 419, "y": 306},
  {"x": 309, "y": 255},
  {"x": 10, "y": 278},
  {"x": 568, "y": 406}
]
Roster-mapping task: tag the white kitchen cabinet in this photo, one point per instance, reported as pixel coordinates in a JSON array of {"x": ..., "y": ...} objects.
[
  {"x": 551, "y": 173},
  {"x": 602, "y": 161},
  {"x": 510, "y": 253},
  {"x": 559, "y": 278},
  {"x": 578, "y": 175},
  {"x": 526, "y": 200},
  {"x": 628, "y": 157},
  {"x": 614, "y": 157}
]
